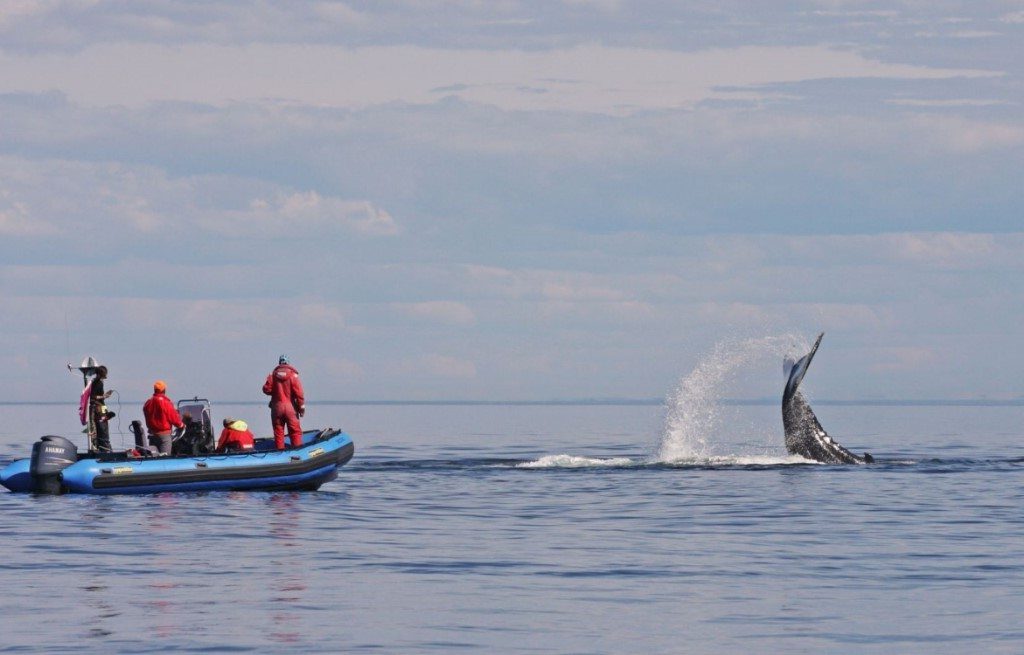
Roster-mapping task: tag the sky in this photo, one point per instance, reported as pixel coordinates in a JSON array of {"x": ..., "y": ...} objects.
[{"x": 520, "y": 200}]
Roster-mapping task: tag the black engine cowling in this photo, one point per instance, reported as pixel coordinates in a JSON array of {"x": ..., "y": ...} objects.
[{"x": 51, "y": 455}]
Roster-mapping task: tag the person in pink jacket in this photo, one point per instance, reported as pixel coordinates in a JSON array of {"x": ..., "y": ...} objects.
[{"x": 287, "y": 402}]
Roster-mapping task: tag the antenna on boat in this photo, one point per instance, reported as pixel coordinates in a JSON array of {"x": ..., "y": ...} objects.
[
  {"x": 67, "y": 335},
  {"x": 88, "y": 368}
]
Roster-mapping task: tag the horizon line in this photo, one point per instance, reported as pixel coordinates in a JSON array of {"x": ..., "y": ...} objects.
[{"x": 586, "y": 402}]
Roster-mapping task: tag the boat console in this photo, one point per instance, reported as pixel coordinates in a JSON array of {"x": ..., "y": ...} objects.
[{"x": 197, "y": 438}]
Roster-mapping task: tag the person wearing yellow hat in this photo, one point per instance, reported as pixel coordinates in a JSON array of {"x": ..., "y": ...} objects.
[
  {"x": 236, "y": 436},
  {"x": 161, "y": 416}
]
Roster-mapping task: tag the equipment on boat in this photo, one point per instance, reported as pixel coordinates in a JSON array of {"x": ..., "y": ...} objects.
[
  {"x": 197, "y": 437},
  {"x": 50, "y": 455}
]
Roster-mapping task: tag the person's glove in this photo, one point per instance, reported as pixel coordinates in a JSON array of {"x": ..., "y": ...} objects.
[{"x": 301, "y": 412}]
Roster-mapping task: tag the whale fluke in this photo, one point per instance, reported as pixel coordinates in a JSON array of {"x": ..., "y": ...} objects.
[{"x": 804, "y": 434}]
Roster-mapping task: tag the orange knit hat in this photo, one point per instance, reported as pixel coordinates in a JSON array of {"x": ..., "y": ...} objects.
[{"x": 159, "y": 385}]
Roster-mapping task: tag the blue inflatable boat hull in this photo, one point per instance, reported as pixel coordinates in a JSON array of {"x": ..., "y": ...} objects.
[{"x": 303, "y": 468}]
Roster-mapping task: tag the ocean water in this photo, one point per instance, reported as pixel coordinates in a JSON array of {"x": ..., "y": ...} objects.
[{"x": 545, "y": 529}]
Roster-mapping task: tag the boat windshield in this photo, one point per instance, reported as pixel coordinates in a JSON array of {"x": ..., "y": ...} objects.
[{"x": 198, "y": 436}]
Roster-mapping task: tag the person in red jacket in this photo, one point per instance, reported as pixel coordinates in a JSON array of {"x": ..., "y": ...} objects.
[
  {"x": 161, "y": 416},
  {"x": 287, "y": 402},
  {"x": 235, "y": 436}
]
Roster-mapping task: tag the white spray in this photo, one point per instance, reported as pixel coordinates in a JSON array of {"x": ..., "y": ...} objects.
[
  {"x": 693, "y": 420},
  {"x": 694, "y": 407}
]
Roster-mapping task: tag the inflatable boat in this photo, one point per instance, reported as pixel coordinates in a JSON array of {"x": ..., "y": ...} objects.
[
  {"x": 56, "y": 467},
  {"x": 194, "y": 464}
]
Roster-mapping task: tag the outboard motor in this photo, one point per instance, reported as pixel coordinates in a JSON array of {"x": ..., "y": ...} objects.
[{"x": 50, "y": 456}]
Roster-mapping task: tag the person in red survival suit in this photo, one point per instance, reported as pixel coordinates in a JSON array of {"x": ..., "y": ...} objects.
[
  {"x": 161, "y": 415},
  {"x": 236, "y": 436},
  {"x": 287, "y": 402}
]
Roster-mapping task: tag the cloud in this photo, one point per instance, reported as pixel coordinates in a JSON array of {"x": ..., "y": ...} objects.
[
  {"x": 533, "y": 364},
  {"x": 593, "y": 314},
  {"x": 579, "y": 297},
  {"x": 945, "y": 249},
  {"x": 16, "y": 219},
  {"x": 340, "y": 366},
  {"x": 948, "y": 102},
  {"x": 440, "y": 311},
  {"x": 443, "y": 366},
  {"x": 304, "y": 212},
  {"x": 12, "y": 11},
  {"x": 903, "y": 359},
  {"x": 605, "y": 79},
  {"x": 610, "y": 6},
  {"x": 882, "y": 14},
  {"x": 770, "y": 316},
  {"x": 562, "y": 290},
  {"x": 442, "y": 169},
  {"x": 966, "y": 136},
  {"x": 545, "y": 284},
  {"x": 46, "y": 25},
  {"x": 339, "y": 14},
  {"x": 925, "y": 251},
  {"x": 321, "y": 314},
  {"x": 678, "y": 296},
  {"x": 225, "y": 320},
  {"x": 573, "y": 199},
  {"x": 64, "y": 198}
]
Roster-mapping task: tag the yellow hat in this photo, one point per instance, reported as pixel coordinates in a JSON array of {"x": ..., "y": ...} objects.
[{"x": 159, "y": 385}]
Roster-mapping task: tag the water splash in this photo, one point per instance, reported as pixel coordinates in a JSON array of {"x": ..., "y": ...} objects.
[
  {"x": 694, "y": 415},
  {"x": 567, "y": 461},
  {"x": 575, "y": 461}
]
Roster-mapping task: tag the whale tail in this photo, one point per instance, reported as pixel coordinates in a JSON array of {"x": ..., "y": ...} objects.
[{"x": 804, "y": 434}]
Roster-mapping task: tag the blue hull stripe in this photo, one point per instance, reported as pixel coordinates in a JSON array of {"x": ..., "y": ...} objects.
[{"x": 308, "y": 480}]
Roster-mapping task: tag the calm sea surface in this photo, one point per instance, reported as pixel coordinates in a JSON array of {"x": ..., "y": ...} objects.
[{"x": 536, "y": 529}]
